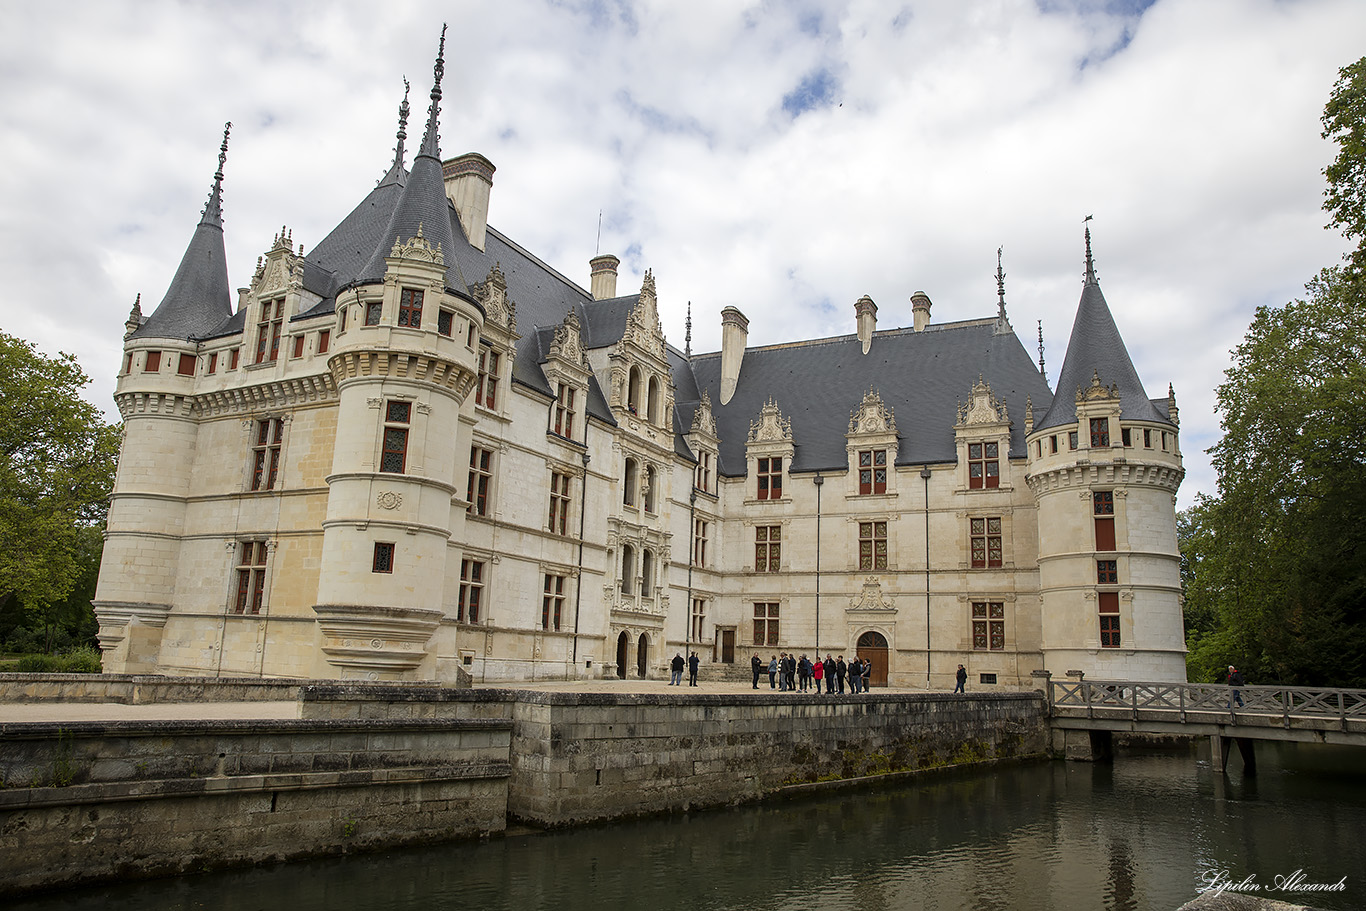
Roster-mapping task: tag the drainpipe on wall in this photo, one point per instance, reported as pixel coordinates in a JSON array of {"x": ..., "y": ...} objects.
[
  {"x": 925, "y": 476},
  {"x": 578, "y": 579},
  {"x": 692, "y": 532},
  {"x": 818, "y": 481}
]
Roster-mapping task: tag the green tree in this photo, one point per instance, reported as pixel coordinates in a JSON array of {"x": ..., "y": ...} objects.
[
  {"x": 56, "y": 474},
  {"x": 1344, "y": 122}
]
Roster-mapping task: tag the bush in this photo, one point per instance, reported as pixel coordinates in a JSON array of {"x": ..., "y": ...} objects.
[{"x": 81, "y": 660}]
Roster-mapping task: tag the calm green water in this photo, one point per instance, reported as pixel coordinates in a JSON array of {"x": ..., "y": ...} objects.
[{"x": 1139, "y": 834}]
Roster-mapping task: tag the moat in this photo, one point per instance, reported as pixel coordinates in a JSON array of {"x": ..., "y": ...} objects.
[{"x": 1141, "y": 833}]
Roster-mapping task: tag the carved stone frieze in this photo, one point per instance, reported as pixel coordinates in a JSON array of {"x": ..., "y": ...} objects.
[{"x": 871, "y": 598}]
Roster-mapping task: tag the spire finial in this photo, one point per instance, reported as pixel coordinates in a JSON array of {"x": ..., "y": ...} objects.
[
  {"x": 1042, "y": 372},
  {"x": 431, "y": 144},
  {"x": 1000, "y": 288},
  {"x": 1090, "y": 265},
  {"x": 402, "y": 125},
  {"x": 687, "y": 338},
  {"x": 213, "y": 209}
]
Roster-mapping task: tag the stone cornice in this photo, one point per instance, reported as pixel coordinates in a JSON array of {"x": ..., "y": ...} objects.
[
  {"x": 287, "y": 392},
  {"x": 1134, "y": 474}
]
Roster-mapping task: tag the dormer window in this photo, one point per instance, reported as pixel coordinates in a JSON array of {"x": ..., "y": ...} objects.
[
  {"x": 564, "y": 411},
  {"x": 268, "y": 331},
  {"x": 1100, "y": 433},
  {"x": 984, "y": 466},
  {"x": 770, "y": 476},
  {"x": 872, "y": 471},
  {"x": 410, "y": 308}
]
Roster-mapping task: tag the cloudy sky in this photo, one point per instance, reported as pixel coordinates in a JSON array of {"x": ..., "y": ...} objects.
[{"x": 782, "y": 157}]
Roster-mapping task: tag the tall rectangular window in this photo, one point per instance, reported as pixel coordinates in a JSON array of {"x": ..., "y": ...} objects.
[
  {"x": 1053, "y": 444},
  {"x": 410, "y": 308},
  {"x": 770, "y": 479},
  {"x": 984, "y": 466},
  {"x": 988, "y": 625},
  {"x": 486, "y": 389},
  {"x": 986, "y": 543},
  {"x": 232, "y": 361},
  {"x": 1072, "y": 439},
  {"x": 702, "y": 474},
  {"x": 767, "y": 548},
  {"x": 213, "y": 363},
  {"x": 153, "y": 363},
  {"x": 1126, "y": 436},
  {"x": 872, "y": 471},
  {"x": 268, "y": 328},
  {"x": 699, "y": 543},
  {"x": 251, "y": 577},
  {"x": 324, "y": 340},
  {"x": 564, "y": 411},
  {"x": 471, "y": 591},
  {"x": 186, "y": 366},
  {"x": 1107, "y": 572},
  {"x": 1103, "y": 508},
  {"x": 298, "y": 346},
  {"x": 699, "y": 617},
  {"x": 373, "y": 311},
  {"x": 265, "y": 453},
  {"x": 552, "y": 602},
  {"x": 445, "y": 321},
  {"x": 383, "y": 561},
  {"x": 872, "y": 545},
  {"x": 559, "y": 503},
  {"x": 1100, "y": 433},
  {"x": 481, "y": 476},
  {"x": 1109, "y": 619},
  {"x": 1148, "y": 438},
  {"x": 765, "y": 623},
  {"x": 396, "y": 419}
]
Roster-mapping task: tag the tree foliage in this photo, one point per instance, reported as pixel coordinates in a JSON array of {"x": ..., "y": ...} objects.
[
  {"x": 56, "y": 474},
  {"x": 1344, "y": 122}
]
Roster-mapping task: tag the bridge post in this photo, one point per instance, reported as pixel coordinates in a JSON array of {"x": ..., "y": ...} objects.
[
  {"x": 1218, "y": 752},
  {"x": 1249, "y": 757}
]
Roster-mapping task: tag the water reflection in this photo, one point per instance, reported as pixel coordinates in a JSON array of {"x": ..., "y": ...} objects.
[{"x": 1135, "y": 835}]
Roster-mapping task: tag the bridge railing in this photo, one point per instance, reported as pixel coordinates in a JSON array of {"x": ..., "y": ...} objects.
[{"x": 1181, "y": 698}]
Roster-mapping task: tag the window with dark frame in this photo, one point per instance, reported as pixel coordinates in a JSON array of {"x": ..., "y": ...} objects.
[
  {"x": 872, "y": 545},
  {"x": 984, "y": 466},
  {"x": 298, "y": 346},
  {"x": 552, "y": 602},
  {"x": 213, "y": 363},
  {"x": 702, "y": 474},
  {"x": 630, "y": 483},
  {"x": 988, "y": 625},
  {"x": 1053, "y": 444},
  {"x": 1103, "y": 509},
  {"x": 324, "y": 340},
  {"x": 1125, "y": 436},
  {"x": 1109, "y": 619},
  {"x": 186, "y": 366},
  {"x": 153, "y": 363},
  {"x": 699, "y": 543},
  {"x": 985, "y": 534},
  {"x": 765, "y": 623},
  {"x": 410, "y": 308},
  {"x": 1107, "y": 572},
  {"x": 1148, "y": 439},
  {"x": 268, "y": 328},
  {"x": 481, "y": 477},
  {"x": 647, "y": 571},
  {"x": 445, "y": 322},
  {"x": 471, "y": 591},
  {"x": 397, "y": 415},
  {"x": 373, "y": 311},
  {"x": 767, "y": 548},
  {"x": 486, "y": 388},
  {"x": 384, "y": 557},
  {"x": 1100, "y": 433},
  {"x": 265, "y": 453},
  {"x": 872, "y": 471},
  {"x": 251, "y": 577},
  {"x": 564, "y": 411},
  {"x": 699, "y": 617},
  {"x": 770, "y": 478},
  {"x": 232, "y": 365},
  {"x": 1072, "y": 439},
  {"x": 559, "y": 503}
]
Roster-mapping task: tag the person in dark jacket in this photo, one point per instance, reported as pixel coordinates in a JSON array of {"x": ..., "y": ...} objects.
[
  {"x": 829, "y": 673},
  {"x": 856, "y": 676},
  {"x": 840, "y": 670},
  {"x": 676, "y": 678},
  {"x": 693, "y": 662},
  {"x": 758, "y": 667},
  {"x": 962, "y": 681},
  {"x": 1235, "y": 678}
]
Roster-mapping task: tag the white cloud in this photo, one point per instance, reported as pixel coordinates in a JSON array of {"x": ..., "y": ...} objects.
[{"x": 929, "y": 134}]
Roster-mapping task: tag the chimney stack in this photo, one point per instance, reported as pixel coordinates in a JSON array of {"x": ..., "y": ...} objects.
[
  {"x": 604, "y": 276},
  {"x": 469, "y": 179},
  {"x": 865, "y": 316},
  {"x": 734, "y": 336},
  {"x": 920, "y": 310}
]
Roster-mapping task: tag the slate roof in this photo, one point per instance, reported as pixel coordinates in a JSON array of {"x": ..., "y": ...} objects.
[
  {"x": 1096, "y": 347},
  {"x": 921, "y": 376}
]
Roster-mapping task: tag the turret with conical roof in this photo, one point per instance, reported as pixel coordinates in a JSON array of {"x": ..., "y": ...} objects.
[{"x": 1104, "y": 467}]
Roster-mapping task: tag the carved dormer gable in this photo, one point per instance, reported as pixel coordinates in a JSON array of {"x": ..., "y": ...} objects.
[
  {"x": 982, "y": 407},
  {"x": 1097, "y": 392},
  {"x": 274, "y": 271},
  {"x": 872, "y": 416},
  {"x": 703, "y": 420},
  {"x": 492, "y": 294},
  {"x": 416, "y": 250},
  {"x": 642, "y": 325},
  {"x": 567, "y": 347},
  {"x": 771, "y": 427}
]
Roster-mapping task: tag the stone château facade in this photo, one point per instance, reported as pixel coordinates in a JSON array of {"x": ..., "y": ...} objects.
[{"x": 419, "y": 448}]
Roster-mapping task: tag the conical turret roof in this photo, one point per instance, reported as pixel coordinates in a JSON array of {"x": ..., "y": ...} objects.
[
  {"x": 1096, "y": 348},
  {"x": 199, "y": 298},
  {"x": 422, "y": 204}
]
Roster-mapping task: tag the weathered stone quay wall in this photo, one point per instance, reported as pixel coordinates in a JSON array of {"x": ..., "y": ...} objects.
[
  {"x": 581, "y": 757},
  {"x": 86, "y": 802}
]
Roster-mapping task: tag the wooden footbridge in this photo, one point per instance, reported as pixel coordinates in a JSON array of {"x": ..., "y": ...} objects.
[{"x": 1087, "y": 712}]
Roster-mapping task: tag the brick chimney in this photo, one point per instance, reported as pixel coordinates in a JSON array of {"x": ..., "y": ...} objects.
[
  {"x": 604, "y": 276},
  {"x": 469, "y": 179}
]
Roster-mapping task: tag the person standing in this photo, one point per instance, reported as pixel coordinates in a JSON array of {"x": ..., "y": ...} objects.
[
  {"x": 791, "y": 673},
  {"x": 829, "y": 673},
  {"x": 782, "y": 672},
  {"x": 676, "y": 678},
  {"x": 840, "y": 670},
  {"x": 1235, "y": 679},
  {"x": 757, "y": 666},
  {"x": 867, "y": 673},
  {"x": 693, "y": 662},
  {"x": 855, "y": 675},
  {"x": 962, "y": 681},
  {"x": 772, "y": 672},
  {"x": 804, "y": 673},
  {"x": 818, "y": 673}
]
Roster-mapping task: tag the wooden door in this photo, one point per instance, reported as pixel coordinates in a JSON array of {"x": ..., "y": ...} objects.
[
  {"x": 873, "y": 647},
  {"x": 727, "y": 646}
]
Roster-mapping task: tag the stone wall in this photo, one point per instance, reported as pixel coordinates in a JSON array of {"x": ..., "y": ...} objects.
[
  {"x": 138, "y": 689},
  {"x": 88, "y": 802}
]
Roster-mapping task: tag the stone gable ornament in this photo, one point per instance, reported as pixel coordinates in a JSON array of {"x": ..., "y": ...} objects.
[
  {"x": 771, "y": 427},
  {"x": 703, "y": 420},
  {"x": 982, "y": 407},
  {"x": 492, "y": 293},
  {"x": 1097, "y": 392},
  {"x": 872, "y": 415},
  {"x": 418, "y": 249},
  {"x": 871, "y": 598},
  {"x": 568, "y": 343},
  {"x": 642, "y": 325}
]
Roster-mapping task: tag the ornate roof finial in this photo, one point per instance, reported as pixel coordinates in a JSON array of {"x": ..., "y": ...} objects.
[
  {"x": 213, "y": 209},
  {"x": 1042, "y": 372},
  {"x": 687, "y": 338},
  {"x": 431, "y": 144},
  {"x": 1002, "y": 322},
  {"x": 402, "y": 125},
  {"x": 1090, "y": 278}
]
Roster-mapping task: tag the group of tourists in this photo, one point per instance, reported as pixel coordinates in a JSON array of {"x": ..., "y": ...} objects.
[
  {"x": 676, "y": 669},
  {"x": 789, "y": 673}
]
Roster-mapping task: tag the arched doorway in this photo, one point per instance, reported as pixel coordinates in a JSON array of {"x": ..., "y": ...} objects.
[
  {"x": 643, "y": 656},
  {"x": 623, "y": 644},
  {"x": 873, "y": 647}
]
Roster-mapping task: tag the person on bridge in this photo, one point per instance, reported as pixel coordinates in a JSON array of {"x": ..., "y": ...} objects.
[{"x": 1235, "y": 678}]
